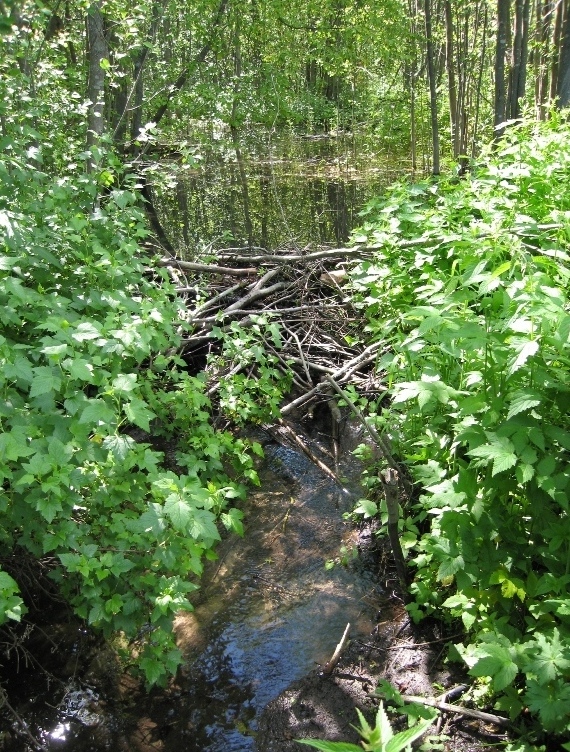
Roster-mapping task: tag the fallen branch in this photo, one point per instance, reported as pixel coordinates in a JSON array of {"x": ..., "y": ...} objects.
[
  {"x": 447, "y": 708},
  {"x": 190, "y": 266}
]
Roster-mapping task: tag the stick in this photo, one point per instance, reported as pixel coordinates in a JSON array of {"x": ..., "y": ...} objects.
[
  {"x": 374, "y": 435},
  {"x": 365, "y": 356},
  {"x": 208, "y": 268},
  {"x": 329, "y": 667},
  {"x": 446, "y": 707}
]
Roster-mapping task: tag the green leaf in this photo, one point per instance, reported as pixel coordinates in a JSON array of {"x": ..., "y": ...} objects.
[
  {"x": 330, "y": 746},
  {"x": 45, "y": 380},
  {"x": 525, "y": 349},
  {"x": 138, "y": 413},
  {"x": 549, "y": 657},
  {"x": 118, "y": 445},
  {"x": 152, "y": 520},
  {"x": 125, "y": 382},
  {"x": 179, "y": 513},
  {"x": 59, "y": 452},
  {"x": 551, "y": 702},
  {"x": 202, "y": 526},
  {"x": 522, "y": 401},
  {"x": 501, "y": 451},
  {"x": 401, "y": 740},
  {"x": 366, "y": 507},
  {"x": 86, "y": 331},
  {"x": 98, "y": 412},
  {"x": 497, "y": 663},
  {"x": 80, "y": 369}
]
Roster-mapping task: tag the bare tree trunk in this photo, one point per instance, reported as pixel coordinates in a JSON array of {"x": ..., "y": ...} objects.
[
  {"x": 479, "y": 84},
  {"x": 558, "y": 24},
  {"x": 432, "y": 88},
  {"x": 564, "y": 71},
  {"x": 452, "y": 85},
  {"x": 503, "y": 18},
  {"x": 97, "y": 53},
  {"x": 517, "y": 73}
]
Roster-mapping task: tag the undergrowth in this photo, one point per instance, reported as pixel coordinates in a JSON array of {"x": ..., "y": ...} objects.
[{"x": 469, "y": 284}]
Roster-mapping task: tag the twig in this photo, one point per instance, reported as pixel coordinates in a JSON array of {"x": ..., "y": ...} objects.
[
  {"x": 446, "y": 707},
  {"x": 207, "y": 268},
  {"x": 329, "y": 666}
]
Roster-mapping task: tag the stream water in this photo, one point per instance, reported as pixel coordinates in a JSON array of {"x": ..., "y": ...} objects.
[{"x": 270, "y": 610}]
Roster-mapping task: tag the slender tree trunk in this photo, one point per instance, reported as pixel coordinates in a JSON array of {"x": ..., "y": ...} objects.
[
  {"x": 479, "y": 84},
  {"x": 452, "y": 85},
  {"x": 432, "y": 88},
  {"x": 98, "y": 52},
  {"x": 557, "y": 36},
  {"x": 564, "y": 71},
  {"x": 503, "y": 18}
]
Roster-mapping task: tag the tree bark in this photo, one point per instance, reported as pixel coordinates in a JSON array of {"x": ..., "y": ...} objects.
[
  {"x": 554, "y": 74},
  {"x": 564, "y": 71},
  {"x": 432, "y": 88},
  {"x": 452, "y": 85},
  {"x": 98, "y": 51},
  {"x": 503, "y": 18}
]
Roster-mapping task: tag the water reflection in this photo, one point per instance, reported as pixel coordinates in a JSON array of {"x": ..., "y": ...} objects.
[{"x": 273, "y": 189}]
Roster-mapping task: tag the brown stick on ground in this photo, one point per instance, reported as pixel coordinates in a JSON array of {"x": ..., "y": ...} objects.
[
  {"x": 446, "y": 707},
  {"x": 329, "y": 666}
]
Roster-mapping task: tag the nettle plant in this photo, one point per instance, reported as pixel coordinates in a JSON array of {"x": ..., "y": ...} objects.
[
  {"x": 90, "y": 403},
  {"x": 470, "y": 285}
]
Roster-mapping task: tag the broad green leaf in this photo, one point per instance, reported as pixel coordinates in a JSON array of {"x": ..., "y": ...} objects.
[
  {"x": 202, "y": 526},
  {"x": 496, "y": 662},
  {"x": 522, "y": 401},
  {"x": 80, "y": 369},
  {"x": 525, "y": 349},
  {"x": 45, "y": 380},
  {"x": 98, "y": 412},
  {"x": 119, "y": 445},
  {"x": 366, "y": 507},
  {"x": 139, "y": 413},
  {"x": 152, "y": 520},
  {"x": 125, "y": 382},
  {"x": 86, "y": 331},
  {"x": 549, "y": 656},
  {"x": 179, "y": 513}
]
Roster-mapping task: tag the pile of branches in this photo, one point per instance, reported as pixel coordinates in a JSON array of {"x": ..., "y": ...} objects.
[{"x": 301, "y": 292}]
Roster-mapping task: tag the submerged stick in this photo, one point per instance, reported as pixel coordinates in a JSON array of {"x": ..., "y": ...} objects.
[{"x": 329, "y": 666}]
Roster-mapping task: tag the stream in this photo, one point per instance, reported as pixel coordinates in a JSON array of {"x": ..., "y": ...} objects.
[{"x": 271, "y": 609}]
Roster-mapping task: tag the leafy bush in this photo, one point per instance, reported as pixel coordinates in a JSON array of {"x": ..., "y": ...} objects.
[
  {"x": 470, "y": 285},
  {"x": 92, "y": 404}
]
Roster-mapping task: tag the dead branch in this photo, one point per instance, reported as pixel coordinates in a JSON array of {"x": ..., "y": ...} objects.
[
  {"x": 446, "y": 707},
  {"x": 206, "y": 268},
  {"x": 329, "y": 666}
]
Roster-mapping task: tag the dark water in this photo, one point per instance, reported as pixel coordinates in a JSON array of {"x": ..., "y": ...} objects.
[{"x": 272, "y": 189}]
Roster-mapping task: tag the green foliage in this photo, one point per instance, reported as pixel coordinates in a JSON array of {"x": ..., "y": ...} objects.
[
  {"x": 378, "y": 738},
  {"x": 469, "y": 284},
  {"x": 257, "y": 379},
  {"x": 109, "y": 461}
]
